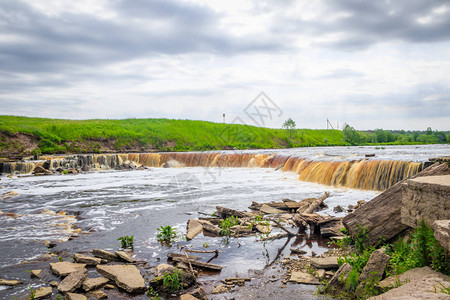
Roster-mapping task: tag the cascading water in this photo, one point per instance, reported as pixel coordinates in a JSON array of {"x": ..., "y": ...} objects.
[{"x": 359, "y": 174}]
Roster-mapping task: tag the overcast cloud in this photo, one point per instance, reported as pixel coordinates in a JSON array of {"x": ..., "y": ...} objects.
[{"x": 372, "y": 64}]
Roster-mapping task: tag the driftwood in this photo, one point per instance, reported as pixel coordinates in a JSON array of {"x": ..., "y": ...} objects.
[
  {"x": 228, "y": 212},
  {"x": 198, "y": 263},
  {"x": 202, "y": 251},
  {"x": 207, "y": 226},
  {"x": 289, "y": 233},
  {"x": 173, "y": 255},
  {"x": 312, "y": 207}
]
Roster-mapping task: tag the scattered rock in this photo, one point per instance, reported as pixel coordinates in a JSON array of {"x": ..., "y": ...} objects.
[
  {"x": 109, "y": 287},
  {"x": 35, "y": 273},
  {"x": 187, "y": 297},
  {"x": 194, "y": 227},
  {"x": 65, "y": 268},
  {"x": 219, "y": 289},
  {"x": 298, "y": 251},
  {"x": 72, "y": 281},
  {"x": 127, "y": 277},
  {"x": 94, "y": 283},
  {"x": 124, "y": 256},
  {"x": 325, "y": 262},
  {"x": 338, "y": 209},
  {"x": 9, "y": 282},
  {"x": 267, "y": 209},
  {"x": 375, "y": 266},
  {"x": 43, "y": 292},
  {"x": 442, "y": 233},
  {"x": 72, "y": 296},
  {"x": 302, "y": 277},
  {"x": 264, "y": 228},
  {"x": 54, "y": 283},
  {"x": 88, "y": 260},
  {"x": 38, "y": 170},
  {"x": 320, "y": 273},
  {"x": 97, "y": 295},
  {"x": 162, "y": 269},
  {"x": 104, "y": 254},
  {"x": 199, "y": 293}
]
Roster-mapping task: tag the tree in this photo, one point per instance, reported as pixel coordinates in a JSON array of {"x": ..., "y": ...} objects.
[
  {"x": 351, "y": 135},
  {"x": 289, "y": 126}
]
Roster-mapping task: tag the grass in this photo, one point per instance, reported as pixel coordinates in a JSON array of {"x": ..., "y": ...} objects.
[
  {"x": 172, "y": 281},
  {"x": 63, "y": 136},
  {"x": 226, "y": 224}
]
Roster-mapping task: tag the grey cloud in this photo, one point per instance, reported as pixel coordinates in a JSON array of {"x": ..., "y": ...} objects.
[{"x": 343, "y": 73}]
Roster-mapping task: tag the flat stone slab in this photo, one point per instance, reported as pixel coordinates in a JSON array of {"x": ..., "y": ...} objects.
[
  {"x": 267, "y": 209},
  {"x": 88, "y": 260},
  {"x": 409, "y": 276},
  {"x": 124, "y": 256},
  {"x": 302, "y": 277},
  {"x": 440, "y": 180},
  {"x": 127, "y": 277},
  {"x": 94, "y": 283},
  {"x": 428, "y": 287},
  {"x": 194, "y": 227},
  {"x": 9, "y": 282},
  {"x": 325, "y": 262},
  {"x": 104, "y": 254},
  {"x": 72, "y": 296},
  {"x": 65, "y": 268},
  {"x": 72, "y": 281},
  {"x": 98, "y": 295},
  {"x": 35, "y": 273},
  {"x": 442, "y": 232},
  {"x": 43, "y": 292}
]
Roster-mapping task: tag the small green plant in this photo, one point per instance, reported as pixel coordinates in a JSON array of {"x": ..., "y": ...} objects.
[
  {"x": 59, "y": 297},
  {"x": 166, "y": 234},
  {"x": 227, "y": 223},
  {"x": 361, "y": 238},
  {"x": 152, "y": 294},
  {"x": 60, "y": 259},
  {"x": 32, "y": 293},
  {"x": 344, "y": 242},
  {"x": 205, "y": 245},
  {"x": 126, "y": 241},
  {"x": 172, "y": 281},
  {"x": 65, "y": 172},
  {"x": 371, "y": 286}
]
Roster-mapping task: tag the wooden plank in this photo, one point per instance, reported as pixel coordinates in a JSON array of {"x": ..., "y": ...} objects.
[
  {"x": 199, "y": 263},
  {"x": 173, "y": 255}
]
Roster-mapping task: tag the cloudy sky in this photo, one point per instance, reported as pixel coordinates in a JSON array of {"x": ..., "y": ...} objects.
[{"x": 372, "y": 64}]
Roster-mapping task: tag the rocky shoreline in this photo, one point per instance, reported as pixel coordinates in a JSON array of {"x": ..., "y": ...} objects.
[{"x": 120, "y": 274}]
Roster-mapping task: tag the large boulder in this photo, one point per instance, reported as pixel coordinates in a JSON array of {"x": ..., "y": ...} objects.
[
  {"x": 426, "y": 198},
  {"x": 426, "y": 287},
  {"x": 375, "y": 266},
  {"x": 410, "y": 275},
  {"x": 381, "y": 216},
  {"x": 127, "y": 277},
  {"x": 442, "y": 233}
]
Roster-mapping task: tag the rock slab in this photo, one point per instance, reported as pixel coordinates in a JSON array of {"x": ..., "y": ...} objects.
[
  {"x": 325, "y": 262},
  {"x": 302, "y": 277},
  {"x": 65, "y": 268},
  {"x": 88, "y": 260},
  {"x": 43, "y": 292},
  {"x": 94, "y": 283},
  {"x": 104, "y": 254},
  {"x": 442, "y": 233},
  {"x": 72, "y": 281},
  {"x": 375, "y": 266},
  {"x": 124, "y": 256},
  {"x": 194, "y": 227},
  {"x": 127, "y": 277},
  {"x": 73, "y": 296}
]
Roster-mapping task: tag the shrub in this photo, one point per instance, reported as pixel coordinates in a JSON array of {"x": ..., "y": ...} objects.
[
  {"x": 126, "y": 241},
  {"x": 166, "y": 234}
]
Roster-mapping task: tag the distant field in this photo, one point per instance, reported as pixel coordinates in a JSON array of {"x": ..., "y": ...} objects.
[
  {"x": 20, "y": 136},
  {"x": 76, "y": 136}
]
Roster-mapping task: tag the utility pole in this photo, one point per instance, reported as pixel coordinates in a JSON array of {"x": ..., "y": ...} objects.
[
  {"x": 223, "y": 118},
  {"x": 328, "y": 123}
]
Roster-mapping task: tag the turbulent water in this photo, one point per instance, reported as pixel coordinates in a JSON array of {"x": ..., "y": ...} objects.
[{"x": 110, "y": 204}]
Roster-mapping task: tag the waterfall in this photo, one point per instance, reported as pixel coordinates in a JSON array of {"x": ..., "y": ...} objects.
[{"x": 358, "y": 174}]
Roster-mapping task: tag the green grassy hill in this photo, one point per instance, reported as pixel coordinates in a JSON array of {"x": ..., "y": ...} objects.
[{"x": 23, "y": 136}]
